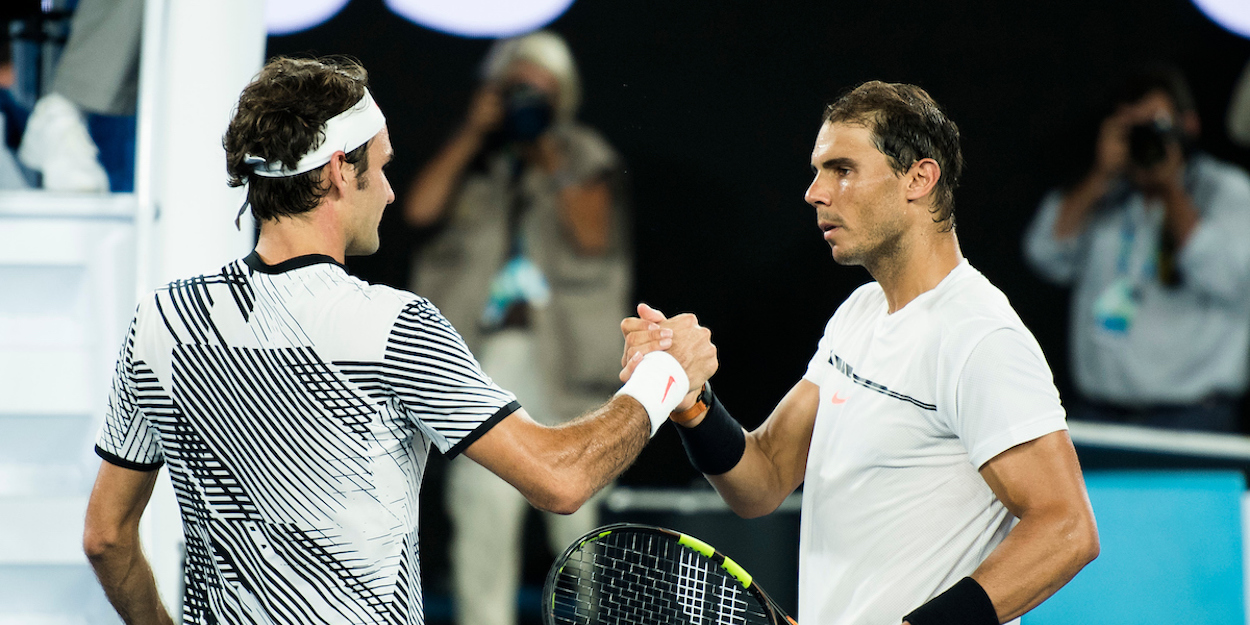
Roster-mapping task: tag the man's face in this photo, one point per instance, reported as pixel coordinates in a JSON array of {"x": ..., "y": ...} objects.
[
  {"x": 1156, "y": 105},
  {"x": 371, "y": 192},
  {"x": 860, "y": 202},
  {"x": 524, "y": 72}
]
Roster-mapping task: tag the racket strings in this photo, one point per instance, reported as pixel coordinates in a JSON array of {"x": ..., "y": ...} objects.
[{"x": 643, "y": 579}]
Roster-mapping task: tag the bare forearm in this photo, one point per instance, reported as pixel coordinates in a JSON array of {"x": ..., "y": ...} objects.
[
  {"x": 600, "y": 445},
  {"x": 1036, "y": 559},
  {"x": 1078, "y": 203},
  {"x": 559, "y": 468},
  {"x": 130, "y": 586},
  {"x": 434, "y": 186},
  {"x": 586, "y": 210},
  {"x": 754, "y": 487},
  {"x": 774, "y": 458}
]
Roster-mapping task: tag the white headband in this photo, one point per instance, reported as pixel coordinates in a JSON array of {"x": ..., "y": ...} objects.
[{"x": 343, "y": 132}]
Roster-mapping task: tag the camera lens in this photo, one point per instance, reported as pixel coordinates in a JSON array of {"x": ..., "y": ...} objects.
[
  {"x": 528, "y": 113},
  {"x": 1148, "y": 143}
]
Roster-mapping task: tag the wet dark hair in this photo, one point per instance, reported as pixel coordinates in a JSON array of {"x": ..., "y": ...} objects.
[
  {"x": 280, "y": 117},
  {"x": 907, "y": 125}
]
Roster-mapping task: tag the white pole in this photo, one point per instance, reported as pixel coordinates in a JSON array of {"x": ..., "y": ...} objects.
[
  {"x": 212, "y": 50},
  {"x": 150, "y": 57}
]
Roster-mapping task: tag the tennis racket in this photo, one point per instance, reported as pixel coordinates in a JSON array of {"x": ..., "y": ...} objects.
[{"x": 630, "y": 574}]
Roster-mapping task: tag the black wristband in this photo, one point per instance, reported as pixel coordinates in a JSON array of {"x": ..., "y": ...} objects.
[
  {"x": 965, "y": 603},
  {"x": 715, "y": 445}
]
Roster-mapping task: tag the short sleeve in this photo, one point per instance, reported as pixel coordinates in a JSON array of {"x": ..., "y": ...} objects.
[
  {"x": 437, "y": 382},
  {"x": 818, "y": 367},
  {"x": 127, "y": 439},
  {"x": 1005, "y": 396}
]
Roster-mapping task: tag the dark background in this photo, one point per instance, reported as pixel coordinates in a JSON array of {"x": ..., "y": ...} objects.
[{"x": 715, "y": 107}]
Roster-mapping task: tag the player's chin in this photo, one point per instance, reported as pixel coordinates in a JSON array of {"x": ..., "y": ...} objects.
[
  {"x": 364, "y": 248},
  {"x": 843, "y": 256}
]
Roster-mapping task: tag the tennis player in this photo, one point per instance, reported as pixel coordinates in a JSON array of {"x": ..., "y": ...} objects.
[
  {"x": 295, "y": 406},
  {"x": 927, "y": 423}
]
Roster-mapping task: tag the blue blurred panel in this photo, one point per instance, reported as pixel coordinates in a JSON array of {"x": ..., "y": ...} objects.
[
  {"x": 1171, "y": 552},
  {"x": 115, "y": 136}
]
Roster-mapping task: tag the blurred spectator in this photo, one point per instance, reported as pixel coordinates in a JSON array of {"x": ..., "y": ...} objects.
[
  {"x": 1155, "y": 240},
  {"x": 1239, "y": 111},
  {"x": 533, "y": 268},
  {"x": 11, "y": 176},
  {"x": 98, "y": 73}
]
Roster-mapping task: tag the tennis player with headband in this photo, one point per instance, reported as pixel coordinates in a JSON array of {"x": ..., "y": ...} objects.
[
  {"x": 927, "y": 423},
  {"x": 295, "y": 405}
]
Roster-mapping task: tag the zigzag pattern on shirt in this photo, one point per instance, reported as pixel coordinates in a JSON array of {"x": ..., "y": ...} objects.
[
  {"x": 424, "y": 368},
  {"x": 279, "y": 458},
  {"x": 266, "y": 444},
  {"x": 849, "y": 372},
  {"x": 130, "y": 440}
]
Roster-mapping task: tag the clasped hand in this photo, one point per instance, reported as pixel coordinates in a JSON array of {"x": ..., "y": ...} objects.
[{"x": 681, "y": 336}]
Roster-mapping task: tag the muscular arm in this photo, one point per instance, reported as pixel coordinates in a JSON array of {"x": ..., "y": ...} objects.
[
  {"x": 1040, "y": 483},
  {"x": 775, "y": 458},
  {"x": 560, "y": 468},
  {"x": 111, "y": 541}
]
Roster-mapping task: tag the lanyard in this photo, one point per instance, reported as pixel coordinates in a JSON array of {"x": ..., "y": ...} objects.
[{"x": 1128, "y": 232}]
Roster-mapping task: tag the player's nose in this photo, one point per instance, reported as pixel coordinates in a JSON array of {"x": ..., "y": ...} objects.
[{"x": 816, "y": 195}]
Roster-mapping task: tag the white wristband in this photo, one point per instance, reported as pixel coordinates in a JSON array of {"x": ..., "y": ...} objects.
[{"x": 658, "y": 383}]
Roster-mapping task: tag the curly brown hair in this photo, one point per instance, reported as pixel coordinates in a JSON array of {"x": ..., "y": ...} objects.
[
  {"x": 907, "y": 125},
  {"x": 280, "y": 117}
]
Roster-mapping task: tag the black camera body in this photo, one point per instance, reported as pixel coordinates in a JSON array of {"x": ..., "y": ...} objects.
[
  {"x": 527, "y": 113},
  {"x": 1148, "y": 143}
]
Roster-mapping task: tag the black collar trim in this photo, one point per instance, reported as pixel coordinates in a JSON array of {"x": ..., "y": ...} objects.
[{"x": 253, "y": 260}]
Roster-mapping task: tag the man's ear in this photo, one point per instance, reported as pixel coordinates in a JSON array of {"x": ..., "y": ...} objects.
[
  {"x": 339, "y": 173},
  {"x": 922, "y": 178}
]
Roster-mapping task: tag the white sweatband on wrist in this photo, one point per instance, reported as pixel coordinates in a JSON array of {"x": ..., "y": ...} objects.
[{"x": 659, "y": 384}]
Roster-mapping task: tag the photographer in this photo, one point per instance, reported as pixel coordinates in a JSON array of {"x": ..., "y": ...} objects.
[
  {"x": 532, "y": 265},
  {"x": 1155, "y": 240}
]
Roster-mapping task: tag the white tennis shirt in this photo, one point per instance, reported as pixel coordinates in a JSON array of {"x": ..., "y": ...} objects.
[{"x": 912, "y": 404}]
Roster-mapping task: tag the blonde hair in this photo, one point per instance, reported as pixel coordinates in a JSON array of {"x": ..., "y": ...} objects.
[{"x": 546, "y": 50}]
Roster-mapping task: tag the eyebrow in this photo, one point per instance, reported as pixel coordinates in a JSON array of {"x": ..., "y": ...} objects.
[{"x": 835, "y": 163}]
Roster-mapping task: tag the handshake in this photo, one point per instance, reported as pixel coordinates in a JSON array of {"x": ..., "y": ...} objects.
[{"x": 682, "y": 338}]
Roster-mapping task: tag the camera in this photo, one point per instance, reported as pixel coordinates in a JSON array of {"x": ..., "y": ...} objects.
[
  {"x": 1148, "y": 143},
  {"x": 527, "y": 113}
]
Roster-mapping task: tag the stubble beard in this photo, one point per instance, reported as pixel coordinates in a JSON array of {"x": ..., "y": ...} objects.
[{"x": 880, "y": 246}]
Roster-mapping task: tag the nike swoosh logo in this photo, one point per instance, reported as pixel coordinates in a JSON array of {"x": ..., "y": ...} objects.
[
  {"x": 671, "y": 379},
  {"x": 838, "y": 400}
]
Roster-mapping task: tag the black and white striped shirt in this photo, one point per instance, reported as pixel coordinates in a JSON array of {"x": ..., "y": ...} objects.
[{"x": 295, "y": 406}]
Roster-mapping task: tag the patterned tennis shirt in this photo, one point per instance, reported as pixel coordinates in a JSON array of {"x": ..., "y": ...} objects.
[{"x": 295, "y": 406}]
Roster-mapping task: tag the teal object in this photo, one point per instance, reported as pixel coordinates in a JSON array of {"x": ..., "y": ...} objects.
[{"x": 1171, "y": 552}]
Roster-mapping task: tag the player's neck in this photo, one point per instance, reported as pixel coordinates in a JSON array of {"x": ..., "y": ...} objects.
[
  {"x": 314, "y": 232},
  {"x": 916, "y": 267}
]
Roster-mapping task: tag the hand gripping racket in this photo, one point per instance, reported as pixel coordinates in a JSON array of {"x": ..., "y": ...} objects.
[{"x": 630, "y": 574}]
